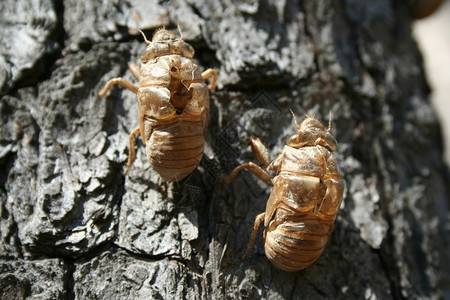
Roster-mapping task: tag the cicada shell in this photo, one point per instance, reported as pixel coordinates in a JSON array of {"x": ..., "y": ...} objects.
[
  {"x": 424, "y": 8},
  {"x": 306, "y": 195},
  {"x": 173, "y": 105}
]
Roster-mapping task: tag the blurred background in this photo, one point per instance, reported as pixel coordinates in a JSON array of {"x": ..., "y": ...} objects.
[{"x": 433, "y": 38}]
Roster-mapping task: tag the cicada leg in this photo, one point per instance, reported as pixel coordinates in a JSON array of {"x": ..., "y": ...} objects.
[
  {"x": 263, "y": 156},
  {"x": 258, "y": 220},
  {"x": 260, "y": 150},
  {"x": 119, "y": 81},
  {"x": 135, "y": 70},
  {"x": 132, "y": 152},
  {"x": 211, "y": 73},
  {"x": 252, "y": 167}
]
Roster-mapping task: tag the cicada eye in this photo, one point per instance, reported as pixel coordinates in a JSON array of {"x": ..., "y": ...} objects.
[
  {"x": 293, "y": 140},
  {"x": 187, "y": 50},
  {"x": 154, "y": 50},
  {"x": 146, "y": 55}
]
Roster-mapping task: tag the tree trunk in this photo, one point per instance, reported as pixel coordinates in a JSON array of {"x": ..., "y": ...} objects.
[{"x": 73, "y": 226}]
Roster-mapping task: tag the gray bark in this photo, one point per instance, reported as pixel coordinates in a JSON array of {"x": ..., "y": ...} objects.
[{"x": 73, "y": 226}]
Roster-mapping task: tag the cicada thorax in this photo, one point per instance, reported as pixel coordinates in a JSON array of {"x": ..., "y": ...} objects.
[
  {"x": 302, "y": 207},
  {"x": 174, "y": 72}
]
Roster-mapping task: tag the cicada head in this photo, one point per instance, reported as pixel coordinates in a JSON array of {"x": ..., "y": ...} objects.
[
  {"x": 165, "y": 42},
  {"x": 311, "y": 132},
  {"x": 164, "y": 35}
]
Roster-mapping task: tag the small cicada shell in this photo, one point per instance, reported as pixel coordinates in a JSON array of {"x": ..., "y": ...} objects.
[
  {"x": 306, "y": 195},
  {"x": 173, "y": 105},
  {"x": 425, "y": 8}
]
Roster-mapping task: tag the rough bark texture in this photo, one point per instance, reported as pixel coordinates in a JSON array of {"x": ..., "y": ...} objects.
[{"x": 72, "y": 226}]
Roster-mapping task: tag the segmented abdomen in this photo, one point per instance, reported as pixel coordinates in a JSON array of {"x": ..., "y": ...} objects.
[
  {"x": 175, "y": 150},
  {"x": 296, "y": 244}
]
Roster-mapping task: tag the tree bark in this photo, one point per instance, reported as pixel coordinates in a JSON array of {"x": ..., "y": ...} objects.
[{"x": 73, "y": 226}]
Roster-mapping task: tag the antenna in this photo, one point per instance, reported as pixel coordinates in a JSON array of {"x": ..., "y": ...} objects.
[
  {"x": 145, "y": 38},
  {"x": 179, "y": 30},
  {"x": 295, "y": 120},
  {"x": 329, "y": 123}
]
